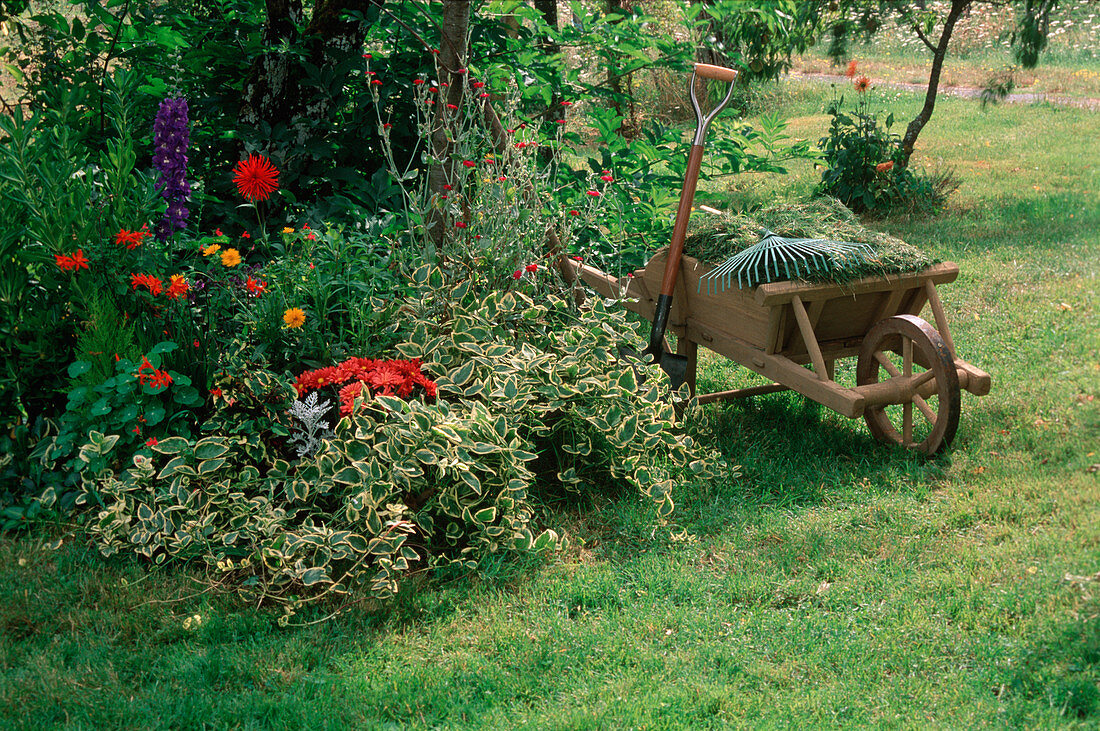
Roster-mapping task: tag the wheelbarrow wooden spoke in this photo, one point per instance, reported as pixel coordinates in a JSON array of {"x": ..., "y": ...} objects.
[
  {"x": 925, "y": 409},
  {"x": 887, "y": 363}
]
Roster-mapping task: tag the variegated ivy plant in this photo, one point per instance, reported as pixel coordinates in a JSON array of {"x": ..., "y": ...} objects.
[{"x": 532, "y": 397}]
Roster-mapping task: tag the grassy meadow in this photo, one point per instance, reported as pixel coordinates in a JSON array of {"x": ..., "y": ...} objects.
[{"x": 829, "y": 582}]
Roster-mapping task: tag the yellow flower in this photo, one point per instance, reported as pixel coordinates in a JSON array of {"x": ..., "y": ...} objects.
[
  {"x": 231, "y": 257},
  {"x": 288, "y": 230},
  {"x": 211, "y": 249},
  {"x": 294, "y": 317}
]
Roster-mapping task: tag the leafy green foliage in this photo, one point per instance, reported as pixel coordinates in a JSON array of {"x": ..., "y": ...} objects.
[{"x": 761, "y": 37}]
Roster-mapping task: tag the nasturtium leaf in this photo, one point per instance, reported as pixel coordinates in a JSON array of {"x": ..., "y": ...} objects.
[
  {"x": 154, "y": 415},
  {"x": 79, "y": 368}
]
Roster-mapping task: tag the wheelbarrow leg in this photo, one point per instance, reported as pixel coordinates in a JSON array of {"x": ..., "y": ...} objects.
[{"x": 690, "y": 350}]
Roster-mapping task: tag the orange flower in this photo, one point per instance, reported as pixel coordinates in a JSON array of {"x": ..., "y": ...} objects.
[
  {"x": 295, "y": 317},
  {"x": 256, "y": 178},
  {"x": 884, "y": 166},
  {"x": 862, "y": 84},
  {"x": 231, "y": 257},
  {"x": 851, "y": 72}
]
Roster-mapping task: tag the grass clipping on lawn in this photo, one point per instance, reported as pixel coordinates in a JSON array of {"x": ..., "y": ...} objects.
[{"x": 714, "y": 238}]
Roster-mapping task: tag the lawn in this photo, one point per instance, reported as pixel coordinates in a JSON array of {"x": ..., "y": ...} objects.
[{"x": 829, "y": 582}]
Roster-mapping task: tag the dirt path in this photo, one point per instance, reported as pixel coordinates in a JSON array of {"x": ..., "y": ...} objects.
[{"x": 967, "y": 92}]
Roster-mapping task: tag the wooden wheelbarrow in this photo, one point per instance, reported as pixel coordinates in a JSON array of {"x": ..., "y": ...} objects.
[{"x": 908, "y": 376}]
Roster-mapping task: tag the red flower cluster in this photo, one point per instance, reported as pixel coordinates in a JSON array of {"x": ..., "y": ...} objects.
[
  {"x": 156, "y": 379},
  {"x": 177, "y": 285},
  {"x": 73, "y": 262},
  {"x": 387, "y": 377},
  {"x": 132, "y": 239}
]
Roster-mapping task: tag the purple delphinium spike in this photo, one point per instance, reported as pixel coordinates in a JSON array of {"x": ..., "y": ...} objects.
[{"x": 171, "y": 139}]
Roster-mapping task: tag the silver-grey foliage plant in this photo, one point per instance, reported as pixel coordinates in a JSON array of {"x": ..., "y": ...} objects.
[{"x": 314, "y": 429}]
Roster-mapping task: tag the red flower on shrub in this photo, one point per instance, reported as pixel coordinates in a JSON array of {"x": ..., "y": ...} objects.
[
  {"x": 532, "y": 268},
  {"x": 148, "y": 375},
  {"x": 469, "y": 163},
  {"x": 256, "y": 178},
  {"x": 851, "y": 72},
  {"x": 177, "y": 286}
]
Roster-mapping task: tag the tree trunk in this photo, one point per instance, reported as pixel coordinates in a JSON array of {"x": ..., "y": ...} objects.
[
  {"x": 452, "y": 69},
  {"x": 556, "y": 112},
  {"x": 938, "y": 55},
  {"x": 275, "y": 92},
  {"x": 614, "y": 78}
]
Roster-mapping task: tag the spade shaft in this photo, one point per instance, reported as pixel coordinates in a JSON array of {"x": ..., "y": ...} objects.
[{"x": 676, "y": 365}]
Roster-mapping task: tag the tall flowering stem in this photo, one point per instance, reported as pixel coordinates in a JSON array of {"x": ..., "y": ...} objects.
[{"x": 171, "y": 138}]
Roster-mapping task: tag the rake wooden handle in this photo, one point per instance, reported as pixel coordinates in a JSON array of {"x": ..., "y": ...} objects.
[{"x": 710, "y": 71}]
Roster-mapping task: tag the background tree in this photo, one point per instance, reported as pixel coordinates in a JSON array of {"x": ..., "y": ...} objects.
[{"x": 934, "y": 25}]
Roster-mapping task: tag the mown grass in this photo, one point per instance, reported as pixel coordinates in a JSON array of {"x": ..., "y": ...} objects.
[{"x": 833, "y": 583}]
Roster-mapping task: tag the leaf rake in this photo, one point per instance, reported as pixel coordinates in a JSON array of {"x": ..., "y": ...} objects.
[{"x": 775, "y": 258}]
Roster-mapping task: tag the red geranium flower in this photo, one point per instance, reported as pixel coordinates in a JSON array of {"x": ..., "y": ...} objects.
[{"x": 256, "y": 178}]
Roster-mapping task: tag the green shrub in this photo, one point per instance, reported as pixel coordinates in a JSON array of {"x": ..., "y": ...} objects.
[{"x": 862, "y": 169}]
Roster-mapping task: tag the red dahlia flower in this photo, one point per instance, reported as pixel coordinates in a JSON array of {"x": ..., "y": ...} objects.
[{"x": 256, "y": 178}]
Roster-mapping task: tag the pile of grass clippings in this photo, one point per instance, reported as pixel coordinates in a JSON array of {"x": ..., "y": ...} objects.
[{"x": 714, "y": 238}]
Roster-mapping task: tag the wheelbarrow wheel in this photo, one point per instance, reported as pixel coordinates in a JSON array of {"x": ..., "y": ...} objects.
[{"x": 907, "y": 348}]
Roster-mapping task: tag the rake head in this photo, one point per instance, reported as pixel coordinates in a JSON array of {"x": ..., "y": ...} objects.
[{"x": 775, "y": 258}]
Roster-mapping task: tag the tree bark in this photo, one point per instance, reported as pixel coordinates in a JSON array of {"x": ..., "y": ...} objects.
[
  {"x": 452, "y": 69},
  {"x": 909, "y": 140},
  {"x": 275, "y": 92}
]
